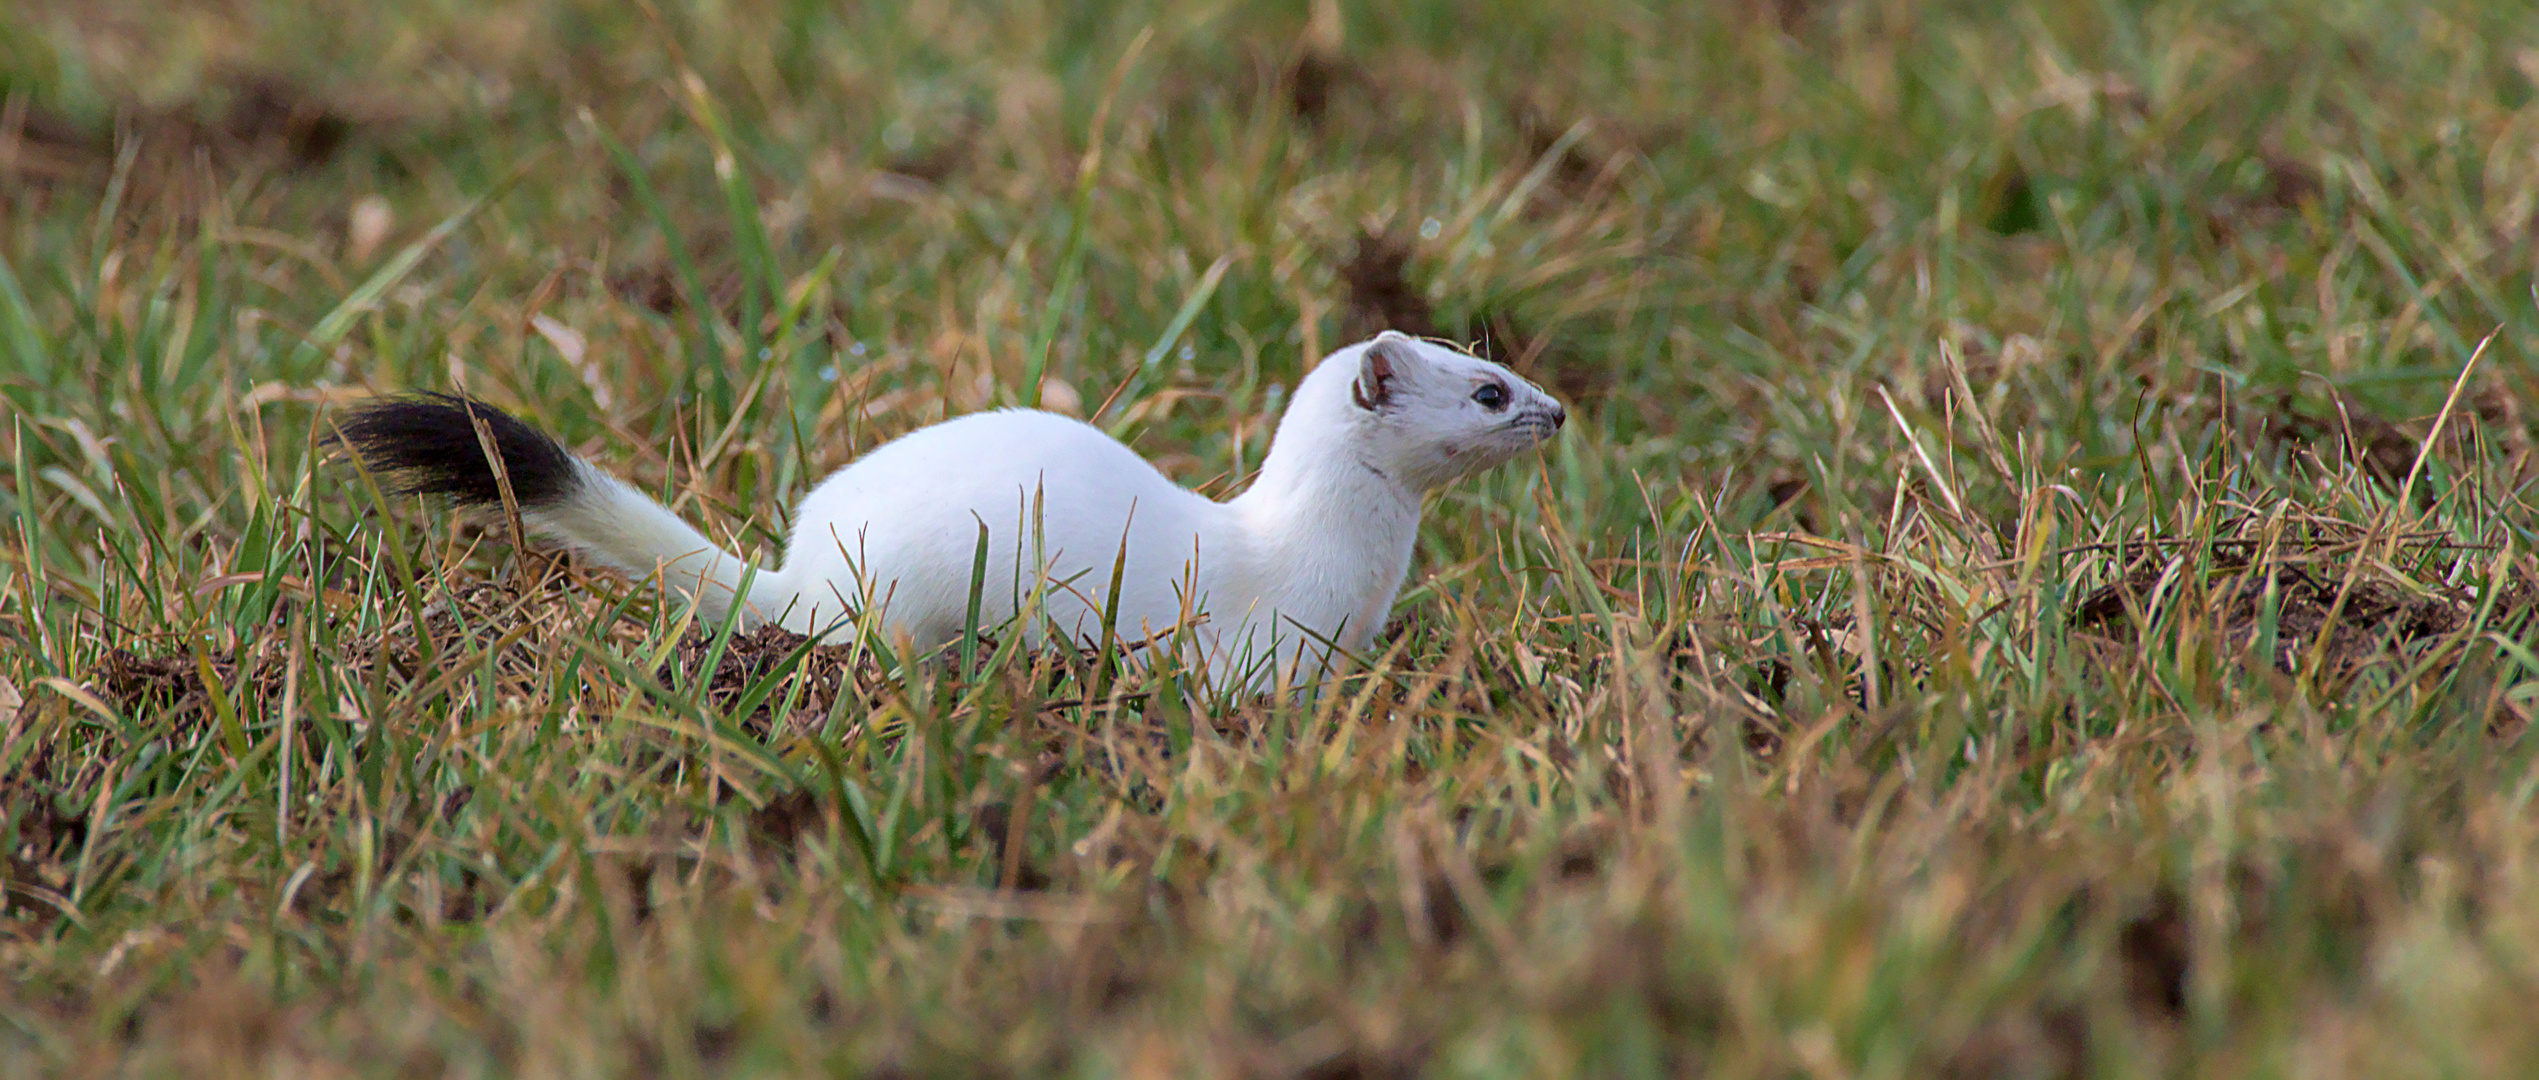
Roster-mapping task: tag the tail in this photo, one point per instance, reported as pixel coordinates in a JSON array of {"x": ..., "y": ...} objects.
[{"x": 435, "y": 444}]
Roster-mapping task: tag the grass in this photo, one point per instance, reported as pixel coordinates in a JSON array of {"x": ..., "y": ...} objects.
[{"x": 2035, "y": 584}]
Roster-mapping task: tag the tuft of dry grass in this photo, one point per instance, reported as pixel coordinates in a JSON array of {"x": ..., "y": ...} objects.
[{"x": 2039, "y": 584}]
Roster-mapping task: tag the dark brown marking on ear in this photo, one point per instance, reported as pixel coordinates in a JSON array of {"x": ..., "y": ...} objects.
[{"x": 1374, "y": 388}]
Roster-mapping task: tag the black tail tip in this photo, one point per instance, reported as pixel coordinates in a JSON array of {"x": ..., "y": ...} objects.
[{"x": 428, "y": 444}]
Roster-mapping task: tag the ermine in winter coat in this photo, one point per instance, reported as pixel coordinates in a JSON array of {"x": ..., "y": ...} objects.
[{"x": 1259, "y": 588}]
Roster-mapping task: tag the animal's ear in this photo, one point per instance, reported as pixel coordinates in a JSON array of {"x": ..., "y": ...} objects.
[{"x": 1377, "y": 368}]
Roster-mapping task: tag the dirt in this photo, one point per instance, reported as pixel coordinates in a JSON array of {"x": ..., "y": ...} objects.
[
  {"x": 460, "y": 616},
  {"x": 1310, "y": 82},
  {"x": 43, "y": 813},
  {"x": 171, "y": 685},
  {"x": 269, "y": 114},
  {"x": 783, "y": 820},
  {"x": 938, "y": 163},
  {"x": 2282, "y": 187},
  {"x": 2362, "y": 615},
  {"x": 2151, "y": 949},
  {"x": 469, "y": 617},
  {"x": 1380, "y": 293},
  {"x": 652, "y": 286},
  {"x": 39, "y": 146},
  {"x": 1382, "y": 297},
  {"x": 48, "y": 835},
  {"x": 1008, "y": 836},
  {"x": 236, "y": 123},
  {"x": 1539, "y": 127},
  {"x": 2344, "y": 431},
  {"x": 750, "y": 658}
]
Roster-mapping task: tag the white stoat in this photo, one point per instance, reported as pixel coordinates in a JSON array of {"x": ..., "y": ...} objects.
[{"x": 1259, "y": 587}]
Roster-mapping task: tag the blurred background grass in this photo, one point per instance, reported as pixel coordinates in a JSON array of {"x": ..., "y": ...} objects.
[{"x": 1798, "y": 714}]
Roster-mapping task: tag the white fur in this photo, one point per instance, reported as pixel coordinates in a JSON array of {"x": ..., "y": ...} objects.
[{"x": 1313, "y": 552}]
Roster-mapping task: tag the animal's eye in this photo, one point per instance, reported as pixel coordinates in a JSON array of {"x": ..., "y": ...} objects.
[{"x": 1493, "y": 397}]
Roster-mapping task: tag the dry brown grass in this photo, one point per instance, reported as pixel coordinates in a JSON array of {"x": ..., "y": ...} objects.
[{"x": 2038, "y": 585}]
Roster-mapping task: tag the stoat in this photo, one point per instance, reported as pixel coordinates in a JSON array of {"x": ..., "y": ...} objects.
[{"x": 1258, "y": 588}]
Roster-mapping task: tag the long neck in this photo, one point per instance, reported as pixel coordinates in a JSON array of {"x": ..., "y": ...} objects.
[{"x": 1334, "y": 532}]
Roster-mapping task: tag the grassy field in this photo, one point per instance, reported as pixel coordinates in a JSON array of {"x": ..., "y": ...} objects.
[{"x": 2037, "y": 583}]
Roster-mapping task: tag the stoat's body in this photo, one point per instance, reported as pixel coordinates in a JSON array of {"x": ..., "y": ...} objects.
[{"x": 1309, "y": 557}]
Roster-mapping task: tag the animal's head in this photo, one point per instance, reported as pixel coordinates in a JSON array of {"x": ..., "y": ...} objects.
[{"x": 1430, "y": 413}]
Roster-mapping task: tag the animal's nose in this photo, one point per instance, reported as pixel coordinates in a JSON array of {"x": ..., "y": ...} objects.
[{"x": 1560, "y": 416}]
